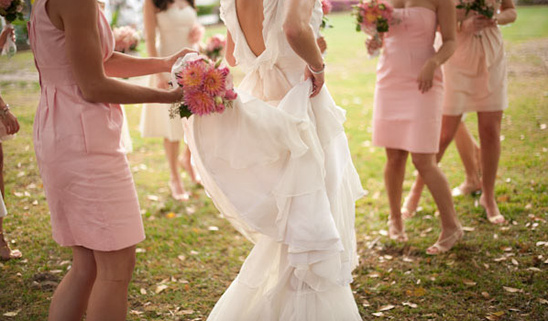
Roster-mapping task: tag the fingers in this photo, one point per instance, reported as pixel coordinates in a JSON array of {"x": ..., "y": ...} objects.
[
  {"x": 424, "y": 85},
  {"x": 317, "y": 85}
]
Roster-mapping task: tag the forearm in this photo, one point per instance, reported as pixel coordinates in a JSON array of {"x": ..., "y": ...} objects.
[
  {"x": 125, "y": 66},
  {"x": 445, "y": 52},
  {"x": 506, "y": 16},
  {"x": 300, "y": 37},
  {"x": 115, "y": 91}
]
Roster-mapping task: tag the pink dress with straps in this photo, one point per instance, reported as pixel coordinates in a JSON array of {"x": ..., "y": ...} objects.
[
  {"x": 87, "y": 180},
  {"x": 403, "y": 117}
]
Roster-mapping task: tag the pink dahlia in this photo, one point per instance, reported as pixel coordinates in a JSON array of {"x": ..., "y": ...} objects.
[
  {"x": 199, "y": 102},
  {"x": 5, "y": 4},
  {"x": 326, "y": 6},
  {"x": 192, "y": 76},
  {"x": 214, "y": 82}
]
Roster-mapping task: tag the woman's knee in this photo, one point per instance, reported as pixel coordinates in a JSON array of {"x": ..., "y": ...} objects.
[
  {"x": 116, "y": 266},
  {"x": 424, "y": 162}
]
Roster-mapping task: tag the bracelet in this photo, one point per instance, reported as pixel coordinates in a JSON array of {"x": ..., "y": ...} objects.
[{"x": 316, "y": 72}]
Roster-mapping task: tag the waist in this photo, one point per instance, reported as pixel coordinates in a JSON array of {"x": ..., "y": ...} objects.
[{"x": 61, "y": 75}]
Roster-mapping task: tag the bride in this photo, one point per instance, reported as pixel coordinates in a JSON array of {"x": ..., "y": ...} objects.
[{"x": 277, "y": 165}]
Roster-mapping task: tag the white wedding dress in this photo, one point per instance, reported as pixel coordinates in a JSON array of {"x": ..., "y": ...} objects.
[{"x": 277, "y": 165}]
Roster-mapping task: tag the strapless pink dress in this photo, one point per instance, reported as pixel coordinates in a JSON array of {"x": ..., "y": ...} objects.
[
  {"x": 403, "y": 117},
  {"x": 87, "y": 180}
]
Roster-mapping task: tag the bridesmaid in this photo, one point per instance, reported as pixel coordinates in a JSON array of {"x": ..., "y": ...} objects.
[
  {"x": 476, "y": 82},
  {"x": 87, "y": 180},
  {"x": 407, "y": 108},
  {"x": 174, "y": 24}
]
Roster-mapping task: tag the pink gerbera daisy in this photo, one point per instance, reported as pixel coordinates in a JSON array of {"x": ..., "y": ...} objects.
[
  {"x": 192, "y": 76},
  {"x": 199, "y": 102},
  {"x": 214, "y": 82}
]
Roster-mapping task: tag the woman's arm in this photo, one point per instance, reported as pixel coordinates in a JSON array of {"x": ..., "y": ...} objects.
[
  {"x": 508, "y": 13},
  {"x": 301, "y": 38},
  {"x": 447, "y": 18},
  {"x": 229, "y": 52},
  {"x": 78, "y": 19},
  {"x": 124, "y": 66}
]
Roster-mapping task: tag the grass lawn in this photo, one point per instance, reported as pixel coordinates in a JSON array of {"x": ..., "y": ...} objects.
[{"x": 191, "y": 254}]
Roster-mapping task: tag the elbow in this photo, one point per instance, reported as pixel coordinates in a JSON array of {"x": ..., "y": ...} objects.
[
  {"x": 513, "y": 16},
  {"x": 230, "y": 60},
  {"x": 91, "y": 93},
  {"x": 293, "y": 30}
]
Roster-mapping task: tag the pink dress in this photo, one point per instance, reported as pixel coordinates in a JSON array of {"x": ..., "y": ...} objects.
[
  {"x": 87, "y": 180},
  {"x": 476, "y": 74},
  {"x": 403, "y": 117}
]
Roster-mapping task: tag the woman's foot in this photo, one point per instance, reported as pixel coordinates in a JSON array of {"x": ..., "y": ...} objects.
[
  {"x": 6, "y": 253},
  {"x": 410, "y": 204},
  {"x": 445, "y": 243},
  {"x": 467, "y": 188},
  {"x": 178, "y": 192},
  {"x": 396, "y": 231},
  {"x": 492, "y": 211}
]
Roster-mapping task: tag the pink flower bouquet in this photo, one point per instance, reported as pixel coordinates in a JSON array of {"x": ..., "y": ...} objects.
[
  {"x": 215, "y": 46},
  {"x": 373, "y": 17},
  {"x": 207, "y": 86},
  {"x": 326, "y": 8},
  {"x": 126, "y": 39},
  {"x": 483, "y": 7},
  {"x": 12, "y": 10}
]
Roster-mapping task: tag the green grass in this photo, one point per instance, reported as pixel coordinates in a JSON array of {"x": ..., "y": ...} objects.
[{"x": 197, "y": 264}]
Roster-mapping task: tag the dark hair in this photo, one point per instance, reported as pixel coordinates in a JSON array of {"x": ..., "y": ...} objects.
[{"x": 162, "y": 4}]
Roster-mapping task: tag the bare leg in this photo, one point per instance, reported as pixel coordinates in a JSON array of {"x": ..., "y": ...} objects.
[
  {"x": 6, "y": 253},
  {"x": 469, "y": 153},
  {"x": 187, "y": 165},
  {"x": 108, "y": 300},
  {"x": 449, "y": 127},
  {"x": 394, "y": 173},
  {"x": 70, "y": 299},
  {"x": 438, "y": 185},
  {"x": 175, "y": 183},
  {"x": 489, "y": 131}
]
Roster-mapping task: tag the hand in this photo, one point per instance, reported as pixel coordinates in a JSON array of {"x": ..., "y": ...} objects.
[
  {"x": 196, "y": 33},
  {"x": 170, "y": 60},
  {"x": 162, "y": 82},
  {"x": 317, "y": 81},
  {"x": 175, "y": 95},
  {"x": 8, "y": 31},
  {"x": 374, "y": 44},
  {"x": 322, "y": 44},
  {"x": 426, "y": 76},
  {"x": 477, "y": 23},
  {"x": 11, "y": 123}
]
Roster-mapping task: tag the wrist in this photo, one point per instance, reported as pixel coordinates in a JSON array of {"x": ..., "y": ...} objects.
[{"x": 4, "y": 110}]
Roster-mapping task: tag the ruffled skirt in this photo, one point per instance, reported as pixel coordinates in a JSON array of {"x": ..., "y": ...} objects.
[{"x": 283, "y": 176}]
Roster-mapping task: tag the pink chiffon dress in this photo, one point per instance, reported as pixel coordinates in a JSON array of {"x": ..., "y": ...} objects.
[
  {"x": 403, "y": 117},
  {"x": 86, "y": 177},
  {"x": 476, "y": 74}
]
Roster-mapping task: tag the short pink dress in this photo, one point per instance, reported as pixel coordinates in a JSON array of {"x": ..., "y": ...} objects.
[
  {"x": 476, "y": 74},
  {"x": 403, "y": 117},
  {"x": 87, "y": 180}
]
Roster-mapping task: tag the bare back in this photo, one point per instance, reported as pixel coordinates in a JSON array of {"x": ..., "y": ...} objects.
[{"x": 250, "y": 17}]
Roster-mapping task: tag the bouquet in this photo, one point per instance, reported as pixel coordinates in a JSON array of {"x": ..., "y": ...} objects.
[
  {"x": 215, "y": 46},
  {"x": 126, "y": 39},
  {"x": 11, "y": 10},
  {"x": 326, "y": 8},
  {"x": 373, "y": 18},
  {"x": 207, "y": 86},
  {"x": 483, "y": 7}
]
